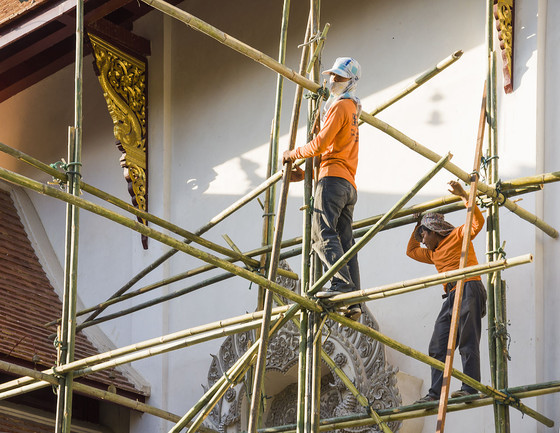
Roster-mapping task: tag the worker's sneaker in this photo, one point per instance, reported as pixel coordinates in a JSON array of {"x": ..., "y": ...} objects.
[
  {"x": 353, "y": 312},
  {"x": 462, "y": 393},
  {"x": 427, "y": 398}
]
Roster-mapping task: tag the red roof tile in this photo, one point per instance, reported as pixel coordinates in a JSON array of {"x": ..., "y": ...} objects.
[{"x": 28, "y": 301}]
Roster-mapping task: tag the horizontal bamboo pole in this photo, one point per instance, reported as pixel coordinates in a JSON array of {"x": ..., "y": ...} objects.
[
  {"x": 418, "y": 81},
  {"x": 424, "y": 282},
  {"x": 420, "y": 410},
  {"x": 250, "y": 318},
  {"x": 432, "y": 362},
  {"x": 461, "y": 174},
  {"x": 538, "y": 179},
  {"x": 378, "y": 226}
]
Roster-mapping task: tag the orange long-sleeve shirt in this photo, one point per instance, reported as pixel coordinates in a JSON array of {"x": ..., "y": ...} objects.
[
  {"x": 447, "y": 254},
  {"x": 337, "y": 142}
]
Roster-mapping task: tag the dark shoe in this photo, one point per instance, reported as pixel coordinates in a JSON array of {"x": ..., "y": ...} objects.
[
  {"x": 353, "y": 312},
  {"x": 328, "y": 293},
  {"x": 462, "y": 393},
  {"x": 338, "y": 289},
  {"x": 427, "y": 398}
]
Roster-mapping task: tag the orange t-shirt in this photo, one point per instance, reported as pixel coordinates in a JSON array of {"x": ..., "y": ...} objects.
[
  {"x": 447, "y": 254},
  {"x": 337, "y": 142}
]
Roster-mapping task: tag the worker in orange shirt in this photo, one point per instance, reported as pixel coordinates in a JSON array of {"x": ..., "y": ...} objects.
[
  {"x": 443, "y": 244},
  {"x": 333, "y": 205}
]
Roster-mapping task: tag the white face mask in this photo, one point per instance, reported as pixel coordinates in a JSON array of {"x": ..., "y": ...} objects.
[{"x": 337, "y": 87}]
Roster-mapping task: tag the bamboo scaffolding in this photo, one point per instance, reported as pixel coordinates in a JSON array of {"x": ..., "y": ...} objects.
[
  {"x": 294, "y": 252},
  {"x": 395, "y": 222},
  {"x": 461, "y": 174},
  {"x": 418, "y": 81},
  {"x": 377, "y": 227},
  {"x": 432, "y": 362},
  {"x": 467, "y": 233},
  {"x": 422, "y": 409}
]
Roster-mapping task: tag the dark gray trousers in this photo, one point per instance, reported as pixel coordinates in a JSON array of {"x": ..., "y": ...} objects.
[
  {"x": 331, "y": 232},
  {"x": 473, "y": 309}
]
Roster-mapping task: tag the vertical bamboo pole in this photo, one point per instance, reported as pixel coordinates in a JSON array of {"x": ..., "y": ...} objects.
[
  {"x": 462, "y": 263},
  {"x": 496, "y": 285},
  {"x": 64, "y": 398},
  {"x": 270, "y": 195},
  {"x": 314, "y": 332},
  {"x": 276, "y": 245}
]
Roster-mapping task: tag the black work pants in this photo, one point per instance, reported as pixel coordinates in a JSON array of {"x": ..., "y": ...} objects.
[{"x": 473, "y": 309}]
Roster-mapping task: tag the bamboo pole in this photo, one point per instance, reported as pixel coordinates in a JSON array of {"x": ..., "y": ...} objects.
[
  {"x": 467, "y": 233},
  {"x": 258, "y": 377},
  {"x": 377, "y": 227},
  {"x": 421, "y": 410},
  {"x": 69, "y": 301},
  {"x": 270, "y": 195},
  {"x": 418, "y": 81},
  {"x": 461, "y": 174},
  {"x": 428, "y": 281},
  {"x": 538, "y": 179},
  {"x": 499, "y": 323}
]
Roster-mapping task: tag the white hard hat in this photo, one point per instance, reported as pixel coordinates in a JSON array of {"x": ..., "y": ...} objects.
[{"x": 346, "y": 67}]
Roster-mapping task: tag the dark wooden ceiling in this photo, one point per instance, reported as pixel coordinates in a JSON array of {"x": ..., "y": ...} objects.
[{"x": 37, "y": 37}]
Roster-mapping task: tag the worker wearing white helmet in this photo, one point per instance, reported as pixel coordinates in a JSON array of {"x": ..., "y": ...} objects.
[{"x": 333, "y": 207}]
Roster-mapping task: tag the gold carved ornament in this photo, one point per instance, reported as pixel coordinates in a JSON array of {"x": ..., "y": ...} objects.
[
  {"x": 123, "y": 80},
  {"x": 504, "y": 15}
]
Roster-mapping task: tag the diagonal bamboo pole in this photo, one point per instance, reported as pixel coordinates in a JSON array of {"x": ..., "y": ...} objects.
[
  {"x": 461, "y": 174},
  {"x": 432, "y": 362},
  {"x": 155, "y": 234},
  {"x": 418, "y": 81},
  {"x": 241, "y": 368},
  {"x": 377, "y": 227},
  {"x": 451, "y": 344}
]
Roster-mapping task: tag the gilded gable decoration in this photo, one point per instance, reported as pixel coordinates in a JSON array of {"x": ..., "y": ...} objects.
[
  {"x": 123, "y": 80},
  {"x": 504, "y": 15}
]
